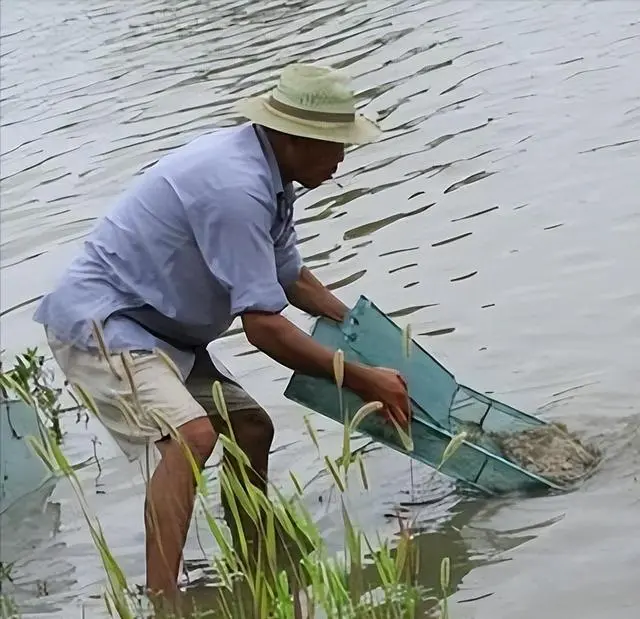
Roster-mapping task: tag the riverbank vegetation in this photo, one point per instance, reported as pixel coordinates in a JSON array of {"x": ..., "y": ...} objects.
[{"x": 278, "y": 566}]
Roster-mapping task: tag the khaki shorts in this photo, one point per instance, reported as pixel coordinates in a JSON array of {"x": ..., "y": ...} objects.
[{"x": 160, "y": 397}]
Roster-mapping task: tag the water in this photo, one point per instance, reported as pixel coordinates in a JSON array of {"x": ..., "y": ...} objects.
[{"x": 498, "y": 215}]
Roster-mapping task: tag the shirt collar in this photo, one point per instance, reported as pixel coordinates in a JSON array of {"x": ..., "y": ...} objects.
[{"x": 273, "y": 164}]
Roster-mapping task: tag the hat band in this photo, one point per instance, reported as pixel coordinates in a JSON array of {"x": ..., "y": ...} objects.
[{"x": 326, "y": 117}]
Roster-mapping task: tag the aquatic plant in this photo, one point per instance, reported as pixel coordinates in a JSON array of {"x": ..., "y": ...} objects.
[
  {"x": 29, "y": 380},
  {"x": 8, "y": 607},
  {"x": 278, "y": 566}
]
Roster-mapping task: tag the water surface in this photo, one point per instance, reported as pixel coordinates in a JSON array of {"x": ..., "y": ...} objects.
[{"x": 498, "y": 215}]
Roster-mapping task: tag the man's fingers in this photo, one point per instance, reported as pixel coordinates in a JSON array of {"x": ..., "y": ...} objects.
[
  {"x": 385, "y": 411},
  {"x": 390, "y": 413},
  {"x": 400, "y": 416}
]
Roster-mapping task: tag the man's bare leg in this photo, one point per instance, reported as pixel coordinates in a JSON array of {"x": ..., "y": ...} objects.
[
  {"x": 253, "y": 431},
  {"x": 169, "y": 506}
]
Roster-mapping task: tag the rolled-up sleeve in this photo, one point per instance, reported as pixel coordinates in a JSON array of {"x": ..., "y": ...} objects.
[{"x": 233, "y": 236}]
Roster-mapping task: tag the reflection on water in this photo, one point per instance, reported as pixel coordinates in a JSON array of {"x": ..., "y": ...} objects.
[
  {"x": 498, "y": 215},
  {"x": 32, "y": 525}
]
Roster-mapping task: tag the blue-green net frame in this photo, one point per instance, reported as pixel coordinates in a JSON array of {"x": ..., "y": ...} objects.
[{"x": 441, "y": 407}]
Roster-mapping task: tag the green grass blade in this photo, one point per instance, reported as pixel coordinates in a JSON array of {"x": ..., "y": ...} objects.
[{"x": 451, "y": 448}]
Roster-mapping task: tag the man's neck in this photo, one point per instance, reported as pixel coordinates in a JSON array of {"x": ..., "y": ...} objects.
[{"x": 276, "y": 140}]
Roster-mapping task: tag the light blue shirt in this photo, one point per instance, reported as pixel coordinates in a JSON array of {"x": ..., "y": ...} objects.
[{"x": 201, "y": 237}]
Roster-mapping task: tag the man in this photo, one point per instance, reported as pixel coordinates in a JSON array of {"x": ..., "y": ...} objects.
[{"x": 203, "y": 236}]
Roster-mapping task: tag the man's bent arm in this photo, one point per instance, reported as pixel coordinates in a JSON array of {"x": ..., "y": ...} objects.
[
  {"x": 279, "y": 338},
  {"x": 310, "y": 295}
]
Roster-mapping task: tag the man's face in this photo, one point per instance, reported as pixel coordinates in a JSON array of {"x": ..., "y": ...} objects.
[{"x": 315, "y": 161}]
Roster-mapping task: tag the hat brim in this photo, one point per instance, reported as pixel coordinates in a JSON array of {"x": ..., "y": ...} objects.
[{"x": 360, "y": 131}]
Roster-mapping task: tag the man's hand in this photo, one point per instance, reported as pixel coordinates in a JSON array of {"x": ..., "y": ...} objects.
[
  {"x": 389, "y": 387},
  {"x": 310, "y": 295}
]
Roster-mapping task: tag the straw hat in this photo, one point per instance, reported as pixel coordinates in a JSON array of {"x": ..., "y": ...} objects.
[{"x": 312, "y": 102}]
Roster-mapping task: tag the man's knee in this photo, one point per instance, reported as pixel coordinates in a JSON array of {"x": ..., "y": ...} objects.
[{"x": 200, "y": 437}]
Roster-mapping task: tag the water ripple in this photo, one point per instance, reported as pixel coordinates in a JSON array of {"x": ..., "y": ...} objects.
[{"x": 505, "y": 180}]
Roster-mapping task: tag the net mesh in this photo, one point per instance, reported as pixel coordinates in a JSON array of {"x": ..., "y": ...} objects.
[{"x": 496, "y": 455}]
